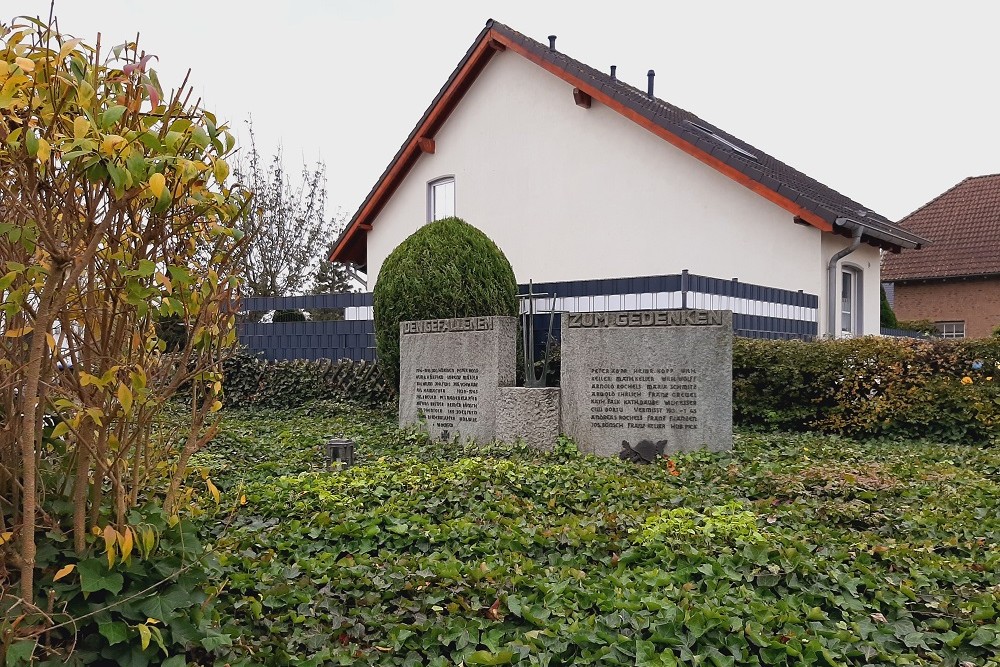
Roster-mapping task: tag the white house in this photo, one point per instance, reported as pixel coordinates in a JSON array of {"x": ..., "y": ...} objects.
[{"x": 578, "y": 176}]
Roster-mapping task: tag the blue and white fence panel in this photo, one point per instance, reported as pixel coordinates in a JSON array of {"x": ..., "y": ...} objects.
[
  {"x": 758, "y": 312},
  {"x": 350, "y": 338}
]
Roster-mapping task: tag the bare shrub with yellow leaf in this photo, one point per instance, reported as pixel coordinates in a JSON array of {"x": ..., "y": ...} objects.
[{"x": 115, "y": 217}]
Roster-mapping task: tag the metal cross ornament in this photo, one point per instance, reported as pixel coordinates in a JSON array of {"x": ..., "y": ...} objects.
[{"x": 531, "y": 377}]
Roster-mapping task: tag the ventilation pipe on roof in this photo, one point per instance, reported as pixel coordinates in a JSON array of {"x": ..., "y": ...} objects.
[
  {"x": 614, "y": 68},
  {"x": 831, "y": 277},
  {"x": 552, "y": 42},
  {"x": 649, "y": 89}
]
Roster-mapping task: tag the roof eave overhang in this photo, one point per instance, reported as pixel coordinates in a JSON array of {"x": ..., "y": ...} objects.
[
  {"x": 351, "y": 246},
  {"x": 884, "y": 232}
]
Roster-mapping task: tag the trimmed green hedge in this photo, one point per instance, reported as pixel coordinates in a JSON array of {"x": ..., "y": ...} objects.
[
  {"x": 869, "y": 387},
  {"x": 253, "y": 382},
  {"x": 447, "y": 268}
]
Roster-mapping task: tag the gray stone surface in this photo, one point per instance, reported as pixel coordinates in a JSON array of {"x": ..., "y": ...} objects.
[
  {"x": 450, "y": 371},
  {"x": 660, "y": 375},
  {"x": 530, "y": 414}
]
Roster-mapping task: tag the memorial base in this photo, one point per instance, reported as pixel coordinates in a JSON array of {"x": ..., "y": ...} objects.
[{"x": 530, "y": 414}]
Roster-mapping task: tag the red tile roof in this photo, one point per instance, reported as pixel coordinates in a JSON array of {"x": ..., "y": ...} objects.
[{"x": 963, "y": 226}]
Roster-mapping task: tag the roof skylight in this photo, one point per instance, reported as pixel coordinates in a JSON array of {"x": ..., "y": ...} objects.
[{"x": 722, "y": 140}]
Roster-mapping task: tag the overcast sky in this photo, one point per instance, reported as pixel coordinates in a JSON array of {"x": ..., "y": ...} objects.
[{"x": 890, "y": 103}]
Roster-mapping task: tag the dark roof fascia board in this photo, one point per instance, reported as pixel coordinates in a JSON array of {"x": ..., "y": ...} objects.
[{"x": 944, "y": 279}]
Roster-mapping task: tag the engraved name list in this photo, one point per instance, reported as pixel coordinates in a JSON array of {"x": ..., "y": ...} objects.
[{"x": 644, "y": 398}]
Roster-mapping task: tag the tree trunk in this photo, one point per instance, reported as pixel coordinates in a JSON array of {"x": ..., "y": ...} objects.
[{"x": 30, "y": 405}]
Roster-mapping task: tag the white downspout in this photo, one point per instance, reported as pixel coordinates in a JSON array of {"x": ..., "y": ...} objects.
[{"x": 831, "y": 278}]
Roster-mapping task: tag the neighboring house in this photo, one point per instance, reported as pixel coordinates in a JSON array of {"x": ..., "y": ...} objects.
[
  {"x": 955, "y": 282},
  {"x": 578, "y": 176}
]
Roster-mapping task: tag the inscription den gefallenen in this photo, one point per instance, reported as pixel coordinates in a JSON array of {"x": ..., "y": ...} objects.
[
  {"x": 445, "y": 326},
  {"x": 646, "y": 318}
]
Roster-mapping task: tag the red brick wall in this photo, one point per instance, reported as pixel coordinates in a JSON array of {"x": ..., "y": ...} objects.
[{"x": 976, "y": 302}]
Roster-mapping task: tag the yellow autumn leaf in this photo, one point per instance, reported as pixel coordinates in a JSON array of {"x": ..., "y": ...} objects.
[
  {"x": 125, "y": 542},
  {"x": 156, "y": 184},
  {"x": 148, "y": 541},
  {"x": 43, "y": 151},
  {"x": 17, "y": 333},
  {"x": 5, "y": 537},
  {"x": 144, "y": 635},
  {"x": 61, "y": 429},
  {"x": 25, "y": 64},
  {"x": 221, "y": 170},
  {"x": 68, "y": 47},
  {"x": 214, "y": 490},
  {"x": 63, "y": 571},
  {"x": 112, "y": 143},
  {"x": 243, "y": 500},
  {"x": 163, "y": 280},
  {"x": 86, "y": 92},
  {"x": 125, "y": 397},
  {"x": 81, "y": 126},
  {"x": 110, "y": 538}
]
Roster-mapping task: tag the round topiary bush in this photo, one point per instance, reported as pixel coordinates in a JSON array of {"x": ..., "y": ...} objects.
[{"x": 446, "y": 268}]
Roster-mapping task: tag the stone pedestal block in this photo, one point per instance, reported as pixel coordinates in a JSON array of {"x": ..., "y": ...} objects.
[
  {"x": 450, "y": 371},
  {"x": 530, "y": 414}
]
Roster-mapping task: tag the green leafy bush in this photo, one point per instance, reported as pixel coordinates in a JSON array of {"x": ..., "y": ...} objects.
[
  {"x": 868, "y": 387},
  {"x": 923, "y": 326},
  {"x": 887, "y": 316},
  {"x": 142, "y": 599},
  {"x": 288, "y": 316},
  {"x": 447, "y": 268},
  {"x": 252, "y": 381}
]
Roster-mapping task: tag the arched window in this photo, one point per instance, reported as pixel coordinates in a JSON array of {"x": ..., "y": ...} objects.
[
  {"x": 851, "y": 301},
  {"x": 441, "y": 198}
]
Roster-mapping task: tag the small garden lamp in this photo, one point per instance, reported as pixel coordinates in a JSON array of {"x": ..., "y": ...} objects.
[{"x": 339, "y": 451}]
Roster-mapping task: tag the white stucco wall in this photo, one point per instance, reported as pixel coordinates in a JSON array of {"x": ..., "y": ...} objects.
[
  {"x": 572, "y": 194},
  {"x": 865, "y": 259}
]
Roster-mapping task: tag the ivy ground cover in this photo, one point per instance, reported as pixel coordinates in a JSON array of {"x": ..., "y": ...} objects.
[{"x": 790, "y": 550}]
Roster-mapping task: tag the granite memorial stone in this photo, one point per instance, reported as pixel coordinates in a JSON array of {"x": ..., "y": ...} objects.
[
  {"x": 450, "y": 371},
  {"x": 639, "y": 383}
]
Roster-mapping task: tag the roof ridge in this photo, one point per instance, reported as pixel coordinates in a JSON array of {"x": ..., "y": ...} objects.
[
  {"x": 741, "y": 143},
  {"x": 905, "y": 218}
]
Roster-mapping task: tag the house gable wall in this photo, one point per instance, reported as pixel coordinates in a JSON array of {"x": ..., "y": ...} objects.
[{"x": 575, "y": 194}]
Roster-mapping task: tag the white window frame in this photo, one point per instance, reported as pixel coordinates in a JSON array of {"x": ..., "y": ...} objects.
[
  {"x": 951, "y": 329},
  {"x": 857, "y": 302},
  {"x": 432, "y": 193}
]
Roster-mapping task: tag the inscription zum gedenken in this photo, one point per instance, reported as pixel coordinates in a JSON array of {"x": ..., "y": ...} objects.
[{"x": 646, "y": 318}]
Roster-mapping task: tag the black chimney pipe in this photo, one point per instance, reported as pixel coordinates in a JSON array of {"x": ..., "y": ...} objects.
[
  {"x": 649, "y": 75},
  {"x": 613, "y": 69},
  {"x": 552, "y": 42}
]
